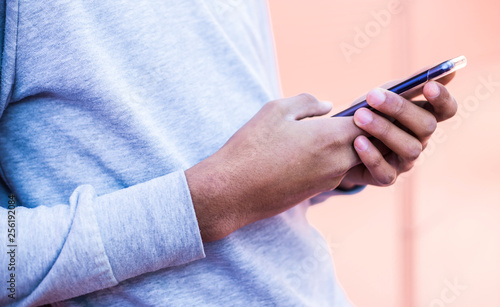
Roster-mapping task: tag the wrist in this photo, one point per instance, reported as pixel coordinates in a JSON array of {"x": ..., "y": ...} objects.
[{"x": 211, "y": 200}]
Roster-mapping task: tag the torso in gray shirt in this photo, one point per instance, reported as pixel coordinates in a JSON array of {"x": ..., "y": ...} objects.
[{"x": 103, "y": 105}]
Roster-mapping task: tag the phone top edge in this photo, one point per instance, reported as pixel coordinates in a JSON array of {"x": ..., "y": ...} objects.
[
  {"x": 436, "y": 72},
  {"x": 459, "y": 62},
  {"x": 399, "y": 88},
  {"x": 410, "y": 83},
  {"x": 446, "y": 68}
]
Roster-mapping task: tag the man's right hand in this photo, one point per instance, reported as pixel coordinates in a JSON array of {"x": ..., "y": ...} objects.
[{"x": 272, "y": 163}]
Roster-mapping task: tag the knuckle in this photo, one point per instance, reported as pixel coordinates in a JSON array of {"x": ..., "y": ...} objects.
[
  {"x": 413, "y": 151},
  {"x": 405, "y": 167},
  {"x": 399, "y": 106},
  {"x": 385, "y": 128},
  {"x": 430, "y": 125},
  {"x": 343, "y": 139},
  {"x": 273, "y": 103},
  {"x": 308, "y": 98},
  {"x": 278, "y": 105},
  {"x": 324, "y": 140},
  {"x": 388, "y": 178},
  {"x": 376, "y": 161},
  {"x": 333, "y": 144}
]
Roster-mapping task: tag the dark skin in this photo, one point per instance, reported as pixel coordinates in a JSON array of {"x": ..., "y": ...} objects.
[
  {"x": 278, "y": 160},
  {"x": 416, "y": 121}
]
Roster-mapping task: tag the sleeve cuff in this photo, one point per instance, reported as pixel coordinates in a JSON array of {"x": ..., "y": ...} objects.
[{"x": 149, "y": 226}]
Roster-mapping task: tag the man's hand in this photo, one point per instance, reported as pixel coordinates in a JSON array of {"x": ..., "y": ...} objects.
[
  {"x": 398, "y": 143},
  {"x": 272, "y": 163}
]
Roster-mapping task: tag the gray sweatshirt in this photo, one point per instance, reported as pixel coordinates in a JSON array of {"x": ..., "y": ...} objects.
[{"x": 103, "y": 106}]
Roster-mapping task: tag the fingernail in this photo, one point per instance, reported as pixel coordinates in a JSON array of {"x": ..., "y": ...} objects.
[
  {"x": 363, "y": 117},
  {"x": 433, "y": 90},
  {"x": 361, "y": 144},
  {"x": 376, "y": 97}
]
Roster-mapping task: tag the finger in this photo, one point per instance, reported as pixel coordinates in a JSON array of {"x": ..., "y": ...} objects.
[
  {"x": 302, "y": 106},
  {"x": 403, "y": 144},
  {"x": 337, "y": 131},
  {"x": 393, "y": 159},
  {"x": 384, "y": 86},
  {"x": 419, "y": 121},
  {"x": 417, "y": 91},
  {"x": 334, "y": 136},
  {"x": 411, "y": 93},
  {"x": 446, "y": 79},
  {"x": 444, "y": 105},
  {"x": 380, "y": 170},
  {"x": 384, "y": 150},
  {"x": 398, "y": 163}
]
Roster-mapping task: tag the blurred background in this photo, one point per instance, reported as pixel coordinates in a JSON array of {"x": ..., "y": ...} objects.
[{"x": 432, "y": 239}]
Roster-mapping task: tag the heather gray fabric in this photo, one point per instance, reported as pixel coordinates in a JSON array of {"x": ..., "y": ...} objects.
[{"x": 103, "y": 106}]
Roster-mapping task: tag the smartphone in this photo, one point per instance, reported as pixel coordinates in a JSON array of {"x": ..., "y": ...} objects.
[{"x": 415, "y": 81}]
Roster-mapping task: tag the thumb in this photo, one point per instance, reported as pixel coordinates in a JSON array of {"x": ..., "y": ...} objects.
[{"x": 305, "y": 105}]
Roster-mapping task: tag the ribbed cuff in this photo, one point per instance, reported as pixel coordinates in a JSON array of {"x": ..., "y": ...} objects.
[{"x": 149, "y": 226}]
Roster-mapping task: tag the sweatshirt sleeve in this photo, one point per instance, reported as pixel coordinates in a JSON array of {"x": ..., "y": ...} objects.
[
  {"x": 8, "y": 39},
  {"x": 91, "y": 242},
  {"x": 94, "y": 242}
]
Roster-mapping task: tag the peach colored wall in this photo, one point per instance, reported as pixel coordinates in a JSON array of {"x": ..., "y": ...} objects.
[{"x": 433, "y": 239}]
